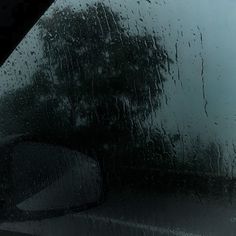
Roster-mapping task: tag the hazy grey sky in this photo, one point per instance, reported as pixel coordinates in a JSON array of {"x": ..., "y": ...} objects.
[{"x": 179, "y": 23}]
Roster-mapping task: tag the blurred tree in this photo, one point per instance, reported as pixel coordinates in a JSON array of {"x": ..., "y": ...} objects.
[
  {"x": 99, "y": 83},
  {"x": 99, "y": 70}
]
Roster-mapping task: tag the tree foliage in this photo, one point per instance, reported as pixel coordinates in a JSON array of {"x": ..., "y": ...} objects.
[{"x": 98, "y": 81}]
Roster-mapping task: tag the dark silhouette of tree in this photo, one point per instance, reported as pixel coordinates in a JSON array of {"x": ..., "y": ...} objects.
[
  {"x": 98, "y": 83},
  {"x": 99, "y": 69},
  {"x": 30, "y": 109}
]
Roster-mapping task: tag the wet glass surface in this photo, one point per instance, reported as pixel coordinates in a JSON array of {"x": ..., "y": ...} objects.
[{"x": 145, "y": 88}]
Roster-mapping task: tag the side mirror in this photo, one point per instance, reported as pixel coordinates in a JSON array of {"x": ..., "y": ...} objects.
[{"x": 44, "y": 177}]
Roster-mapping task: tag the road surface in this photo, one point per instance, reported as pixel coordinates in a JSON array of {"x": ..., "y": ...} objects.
[{"x": 140, "y": 213}]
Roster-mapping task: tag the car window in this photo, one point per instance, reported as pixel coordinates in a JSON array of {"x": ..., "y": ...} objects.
[{"x": 144, "y": 87}]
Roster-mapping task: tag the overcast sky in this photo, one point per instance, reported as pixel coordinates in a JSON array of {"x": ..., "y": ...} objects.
[{"x": 180, "y": 24}]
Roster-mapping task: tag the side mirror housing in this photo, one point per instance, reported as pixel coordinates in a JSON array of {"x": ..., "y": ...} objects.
[{"x": 45, "y": 177}]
